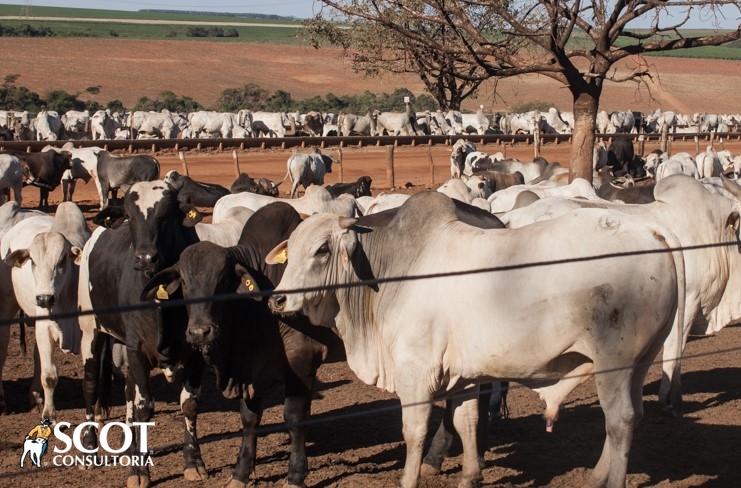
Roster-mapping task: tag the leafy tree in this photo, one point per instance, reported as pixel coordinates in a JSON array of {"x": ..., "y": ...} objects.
[
  {"x": 578, "y": 43},
  {"x": 249, "y": 96},
  {"x": 61, "y": 101}
]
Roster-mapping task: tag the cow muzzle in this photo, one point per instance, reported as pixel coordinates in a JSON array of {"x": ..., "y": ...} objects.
[
  {"x": 45, "y": 301},
  {"x": 200, "y": 334},
  {"x": 277, "y": 303},
  {"x": 145, "y": 260}
]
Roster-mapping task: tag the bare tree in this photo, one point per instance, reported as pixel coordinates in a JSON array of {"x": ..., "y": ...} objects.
[
  {"x": 375, "y": 49},
  {"x": 575, "y": 42}
]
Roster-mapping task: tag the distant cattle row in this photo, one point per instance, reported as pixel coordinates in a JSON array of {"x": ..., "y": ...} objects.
[{"x": 101, "y": 125}]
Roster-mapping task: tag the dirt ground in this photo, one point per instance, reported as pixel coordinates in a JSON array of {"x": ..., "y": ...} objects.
[
  {"x": 128, "y": 69},
  {"x": 698, "y": 449}
]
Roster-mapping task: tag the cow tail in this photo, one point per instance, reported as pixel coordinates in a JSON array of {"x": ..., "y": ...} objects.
[
  {"x": 22, "y": 334},
  {"x": 678, "y": 257}
]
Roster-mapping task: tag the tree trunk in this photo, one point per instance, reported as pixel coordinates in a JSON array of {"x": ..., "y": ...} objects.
[{"x": 586, "y": 104}]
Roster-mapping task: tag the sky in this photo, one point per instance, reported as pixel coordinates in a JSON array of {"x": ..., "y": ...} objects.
[{"x": 306, "y": 8}]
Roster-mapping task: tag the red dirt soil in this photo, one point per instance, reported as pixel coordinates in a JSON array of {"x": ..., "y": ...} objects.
[
  {"x": 128, "y": 69},
  {"x": 698, "y": 449}
]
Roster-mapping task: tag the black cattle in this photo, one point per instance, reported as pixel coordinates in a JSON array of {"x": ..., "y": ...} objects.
[
  {"x": 360, "y": 188},
  {"x": 122, "y": 172},
  {"x": 194, "y": 193},
  {"x": 44, "y": 170},
  {"x": 250, "y": 349},
  {"x": 625, "y": 189},
  {"x": 496, "y": 180},
  {"x": 152, "y": 236},
  {"x": 261, "y": 186},
  {"x": 622, "y": 160}
]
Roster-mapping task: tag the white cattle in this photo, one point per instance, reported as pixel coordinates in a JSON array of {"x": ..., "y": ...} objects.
[
  {"x": 677, "y": 164},
  {"x": 229, "y": 229},
  {"x": 461, "y": 149},
  {"x": 43, "y": 253},
  {"x": 76, "y": 122},
  {"x": 48, "y": 126},
  {"x": 603, "y": 124},
  {"x": 11, "y": 177},
  {"x": 381, "y": 202},
  {"x": 708, "y": 163},
  {"x": 272, "y": 124},
  {"x": 351, "y": 124},
  {"x": 212, "y": 123},
  {"x": 307, "y": 169},
  {"x": 396, "y": 123},
  {"x": 622, "y": 121},
  {"x": 104, "y": 126},
  {"x": 316, "y": 199},
  {"x": 153, "y": 125},
  {"x": 504, "y": 200},
  {"x": 425, "y": 338},
  {"x": 554, "y": 123},
  {"x": 465, "y": 191},
  {"x": 697, "y": 214}
]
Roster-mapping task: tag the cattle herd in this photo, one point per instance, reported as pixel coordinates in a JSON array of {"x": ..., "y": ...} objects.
[
  {"x": 48, "y": 125},
  {"x": 347, "y": 264}
]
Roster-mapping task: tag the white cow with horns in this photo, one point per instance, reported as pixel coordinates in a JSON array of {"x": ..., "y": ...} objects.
[{"x": 428, "y": 337}]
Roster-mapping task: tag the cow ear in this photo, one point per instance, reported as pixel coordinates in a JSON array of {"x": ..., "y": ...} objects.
[
  {"x": 110, "y": 217},
  {"x": 348, "y": 243},
  {"x": 732, "y": 222},
  {"x": 279, "y": 254},
  {"x": 247, "y": 282},
  {"x": 17, "y": 258},
  {"x": 76, "y": 253},
  {"x": 162, "y": 285},
  {"x": 192, "y": 216}
]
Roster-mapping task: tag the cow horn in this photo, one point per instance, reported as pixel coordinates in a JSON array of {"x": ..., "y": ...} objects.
[
  {"x": 731, "y": 187},
  {"x": 347, "y": 222}
]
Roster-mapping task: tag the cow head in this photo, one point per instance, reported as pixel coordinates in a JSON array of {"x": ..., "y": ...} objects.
[
  {"x": 205, "y": 269},
  {"x": 363, "y": 188},
  {"x": 267, "y": 187},
  {"x": 318, "y": 253},
  {"x": 153, "y": 214},
  {"x": 52, "y": 259},
  {"x": 327, "y": 162}
]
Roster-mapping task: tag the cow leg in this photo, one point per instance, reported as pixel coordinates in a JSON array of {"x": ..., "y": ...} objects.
[
  {"x": 91, "y": 352},
  {"x": 68, "y": 187},
  {"x": 251, "y": 413},
  {"x": 17, "y": 193},
  {"x": 4, "y": 341},
  {"x": 195, "y": 469},
  {"x": 466, "y": 420},
  {"x": 615, "y": 396},
  {"x": 415, "y": 414},
  {"x": 43, "y": 199},
  {"x": 49, "y": 376},
  {"x": 105, "y": 380},
  {"x": 35, "y": 394},
  {"x": 139, "y": 369},
  {"x": 670, "y": 389},
  {"x": 294, "y": 189},
  {"x": 440, "y": 445},
  {"x": 103, "y": 196}
]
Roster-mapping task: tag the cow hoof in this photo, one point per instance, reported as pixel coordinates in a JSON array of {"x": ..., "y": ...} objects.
[
  {"x": 428, "y": 470},
  {"x": 232, "y": 483},
  {"x": 670, "y": 411},
  {"x": 197, "y": 473},
  {"x": 137, "y": 481}
]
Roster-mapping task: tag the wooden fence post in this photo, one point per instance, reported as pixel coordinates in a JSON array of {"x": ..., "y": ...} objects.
[
  {"x": 390, "y": 166},
  {"x": 669, "y": 141},
  {"x": 181, "y": 155},
  {"x": 237, "y": 170},
  {"x": 342, "y": 166},
  {"x": 664, "y": 137},
  {"x": 432, "y": 163}
]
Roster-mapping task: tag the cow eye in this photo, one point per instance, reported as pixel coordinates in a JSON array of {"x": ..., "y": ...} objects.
[{"x": 323, "y": 249}]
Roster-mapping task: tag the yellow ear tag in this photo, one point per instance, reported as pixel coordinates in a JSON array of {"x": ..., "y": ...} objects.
[
  {"x": 162, "y": 293},
  {"x": 192, "y": 214},
  {"x": 249, "y": 285},
  {"x": 282, "y": 256}
]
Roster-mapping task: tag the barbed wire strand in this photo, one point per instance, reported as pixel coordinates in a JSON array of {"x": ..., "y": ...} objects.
[{"x": 136, "y": 307}]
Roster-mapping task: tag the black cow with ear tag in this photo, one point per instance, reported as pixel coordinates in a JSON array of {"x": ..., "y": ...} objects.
[{"x": 251, "y": 349}]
